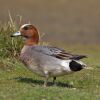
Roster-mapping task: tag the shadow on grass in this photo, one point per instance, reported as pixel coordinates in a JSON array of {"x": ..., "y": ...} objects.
[{"x": 40, "y": 82}]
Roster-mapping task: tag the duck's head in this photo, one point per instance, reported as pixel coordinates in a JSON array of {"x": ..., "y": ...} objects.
[{"x": 29, "y": 32}]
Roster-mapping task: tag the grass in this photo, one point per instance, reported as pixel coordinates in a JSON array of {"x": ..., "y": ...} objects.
[{"x": 18, "y": 83}]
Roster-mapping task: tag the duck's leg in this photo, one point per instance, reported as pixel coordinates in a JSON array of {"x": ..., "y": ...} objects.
[
  {"x": 45, "y": 82},
  {"x": 46, "y": 79},
  {"x": 54, "y": 78}
]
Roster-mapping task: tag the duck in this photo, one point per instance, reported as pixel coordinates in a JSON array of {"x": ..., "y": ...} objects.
[{"x": 46, "y": 61}]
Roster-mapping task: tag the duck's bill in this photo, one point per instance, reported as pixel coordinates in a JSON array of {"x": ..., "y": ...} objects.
[{"x": 16, "y": 34}]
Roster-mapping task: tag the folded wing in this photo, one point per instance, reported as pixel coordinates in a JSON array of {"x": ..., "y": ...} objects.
[{"x": 57, "y": 53}]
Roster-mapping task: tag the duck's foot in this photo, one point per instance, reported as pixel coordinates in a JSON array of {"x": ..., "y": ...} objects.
[{"x": 54, "y": 83}]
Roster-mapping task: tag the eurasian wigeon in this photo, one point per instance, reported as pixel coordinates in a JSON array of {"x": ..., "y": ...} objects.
[{"x": 46, "y": 61}]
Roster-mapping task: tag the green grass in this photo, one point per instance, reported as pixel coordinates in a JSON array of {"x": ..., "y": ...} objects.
[{"x": 18, "y": 83}]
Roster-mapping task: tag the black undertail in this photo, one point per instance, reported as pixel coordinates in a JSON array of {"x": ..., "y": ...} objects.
[{"x": 75, "y": 66}]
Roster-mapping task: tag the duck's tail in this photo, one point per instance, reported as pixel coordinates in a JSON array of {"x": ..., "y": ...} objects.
[
  {"x": 76, "y": 65},
  {"x": 78, "y": 57}
]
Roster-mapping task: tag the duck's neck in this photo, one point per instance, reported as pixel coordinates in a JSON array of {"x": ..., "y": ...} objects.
[{"x": 32, "y": 41}]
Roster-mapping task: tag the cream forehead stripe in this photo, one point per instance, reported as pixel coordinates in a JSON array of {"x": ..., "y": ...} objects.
[{"x": 25, "y": 25}]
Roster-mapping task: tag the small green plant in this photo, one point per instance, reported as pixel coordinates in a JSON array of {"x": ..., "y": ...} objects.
[{"x": 9, "y": 47}]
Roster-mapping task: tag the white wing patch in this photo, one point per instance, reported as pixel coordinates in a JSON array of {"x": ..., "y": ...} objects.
[{"x": 65, "y": 64}]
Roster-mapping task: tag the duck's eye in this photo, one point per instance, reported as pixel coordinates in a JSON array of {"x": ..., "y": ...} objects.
[{"x": 26, "y": 28}]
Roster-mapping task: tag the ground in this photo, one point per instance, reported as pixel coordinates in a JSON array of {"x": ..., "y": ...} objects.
[{"x": 18, "y": 83}]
